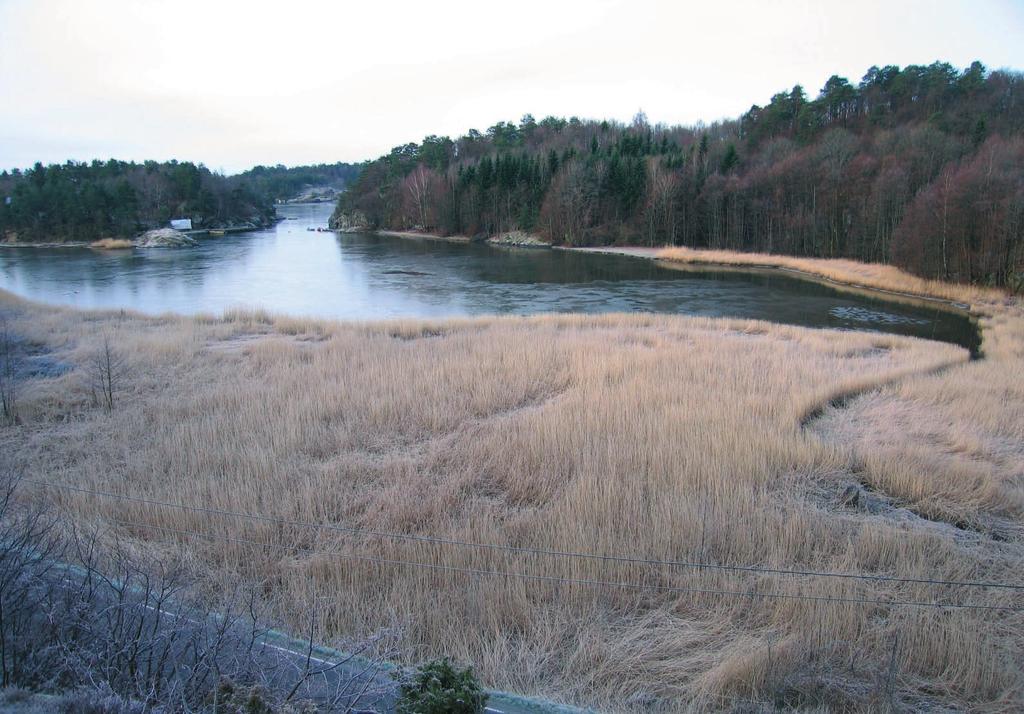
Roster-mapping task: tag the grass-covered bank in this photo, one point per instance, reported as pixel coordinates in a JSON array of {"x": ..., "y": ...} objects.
[
  {"x": 875, "y": 276},
  {"x": 651, "y": 437}
]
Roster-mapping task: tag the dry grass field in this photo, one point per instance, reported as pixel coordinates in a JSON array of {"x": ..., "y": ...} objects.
[
  {"x": 112, "y": 244},
  {"x": 662, "y": 438}
]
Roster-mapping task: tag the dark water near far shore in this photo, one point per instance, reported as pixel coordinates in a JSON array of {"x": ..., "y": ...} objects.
[{"x": 289, "y": 269}]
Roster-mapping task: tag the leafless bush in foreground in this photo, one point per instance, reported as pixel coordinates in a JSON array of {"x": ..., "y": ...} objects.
[{"x": 77, "y": 615}]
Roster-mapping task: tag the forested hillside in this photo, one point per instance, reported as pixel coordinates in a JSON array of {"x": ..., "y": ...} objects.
[
  {"x": 921, "y": 166},
  {"x": 86, "y": 201},
  {"x": 281, "y": 183}
]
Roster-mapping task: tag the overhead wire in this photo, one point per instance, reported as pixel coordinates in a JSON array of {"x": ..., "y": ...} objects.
[
  {"x": 576, "y": 581},
  {"x": 523, "y": 550}
]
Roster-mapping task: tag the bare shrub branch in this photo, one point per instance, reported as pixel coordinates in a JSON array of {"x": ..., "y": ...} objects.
[
  {"x": 107, "y": 370},
  {"x": 8, "y": 382},
  {"x": 79, "y": 612}
]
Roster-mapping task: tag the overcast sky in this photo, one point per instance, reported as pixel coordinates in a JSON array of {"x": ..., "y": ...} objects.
[{"x": 238, "y": 84}]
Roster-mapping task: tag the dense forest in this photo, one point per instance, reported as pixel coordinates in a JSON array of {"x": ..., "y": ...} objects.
[
  {"x": 921, "y": 166},
  {"x": 102, "y": 199},
  {"x": 281, "y": 183}
]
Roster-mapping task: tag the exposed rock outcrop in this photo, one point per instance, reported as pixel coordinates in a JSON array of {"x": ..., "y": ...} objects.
[
  {"x": 519, "y": 239},
  {"x": 354, "y": 222},
  {"x": 164, "y": 238},
  {"x": 314, "y": 194}
]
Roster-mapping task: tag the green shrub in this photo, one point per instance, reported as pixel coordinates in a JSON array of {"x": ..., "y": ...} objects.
[{"x": 439, "y": 688}]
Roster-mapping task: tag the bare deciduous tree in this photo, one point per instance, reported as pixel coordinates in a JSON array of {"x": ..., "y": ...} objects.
[
  {"x": 106, "y": 371},
  {"x": 659, "y": 211},
  {"x": 420, "y": 189},
  {"x": 8, "y": 382}
]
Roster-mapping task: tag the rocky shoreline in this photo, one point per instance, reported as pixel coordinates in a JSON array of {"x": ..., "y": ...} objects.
[
  {"x": 518, "y": 239},
  {"x": 48, "y": 244},
  {"x": 164, "y": 238},
  {"x": 313, "y": 194},
  {"x": 354, "y": 222},
  {"x": 357, "y": 222},
  {"x": 155, "y": 238}
]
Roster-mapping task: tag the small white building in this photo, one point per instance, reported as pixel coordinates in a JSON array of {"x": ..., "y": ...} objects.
[{"x": 181, "y": 224}]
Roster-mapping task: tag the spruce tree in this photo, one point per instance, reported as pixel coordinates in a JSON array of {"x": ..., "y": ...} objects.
[{"x": 730, "y": 160}]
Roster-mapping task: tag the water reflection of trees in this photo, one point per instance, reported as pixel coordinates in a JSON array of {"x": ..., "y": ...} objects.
[{"x": 352, "y": 276}]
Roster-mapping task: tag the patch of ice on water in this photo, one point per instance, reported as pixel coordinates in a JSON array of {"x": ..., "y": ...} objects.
[{"x": 864, "y": 314}]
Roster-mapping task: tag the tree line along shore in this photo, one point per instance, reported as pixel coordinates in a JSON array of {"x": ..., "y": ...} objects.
[
  {"x": 921, "y": 167},
  {"x": 112, "y": 201}
]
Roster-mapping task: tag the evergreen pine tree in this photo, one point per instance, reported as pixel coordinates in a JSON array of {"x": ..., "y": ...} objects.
[{"x": 730, "y": 160}]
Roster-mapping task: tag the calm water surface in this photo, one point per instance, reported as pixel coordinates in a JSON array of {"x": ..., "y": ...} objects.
[{"x": 289, "y": 269}]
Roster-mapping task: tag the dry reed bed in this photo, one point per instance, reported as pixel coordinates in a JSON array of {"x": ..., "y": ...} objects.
[
  {"x": 848, "y": 272},
  {"x": 659, "y": 437},
  {"x": 968, "y": 425}
]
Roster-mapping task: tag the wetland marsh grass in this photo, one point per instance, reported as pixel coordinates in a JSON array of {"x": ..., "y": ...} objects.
[{"x": 662, "y": 438}]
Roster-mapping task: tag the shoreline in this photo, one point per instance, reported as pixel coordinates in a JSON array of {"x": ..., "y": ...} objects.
[
  {"x": 416, "y": 235},
  {"x": 195, "y": 233},
  {"x": 69, "y": 244},
  {"x": 843, "y": 274},
  {"x": 694, "y": 257},
  {"x": 880, "y": 277},
  {"x": 833, "y": 272},
  {"x": 508, "y": 239}
]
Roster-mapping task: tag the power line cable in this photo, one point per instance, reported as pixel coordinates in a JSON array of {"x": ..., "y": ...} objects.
[
  {"x": 530, "y": 551},
  {"x": 578, "y": 581}
]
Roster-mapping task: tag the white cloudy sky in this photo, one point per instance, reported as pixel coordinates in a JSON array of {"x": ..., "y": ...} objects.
[{"x": 233, "y": 84}]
